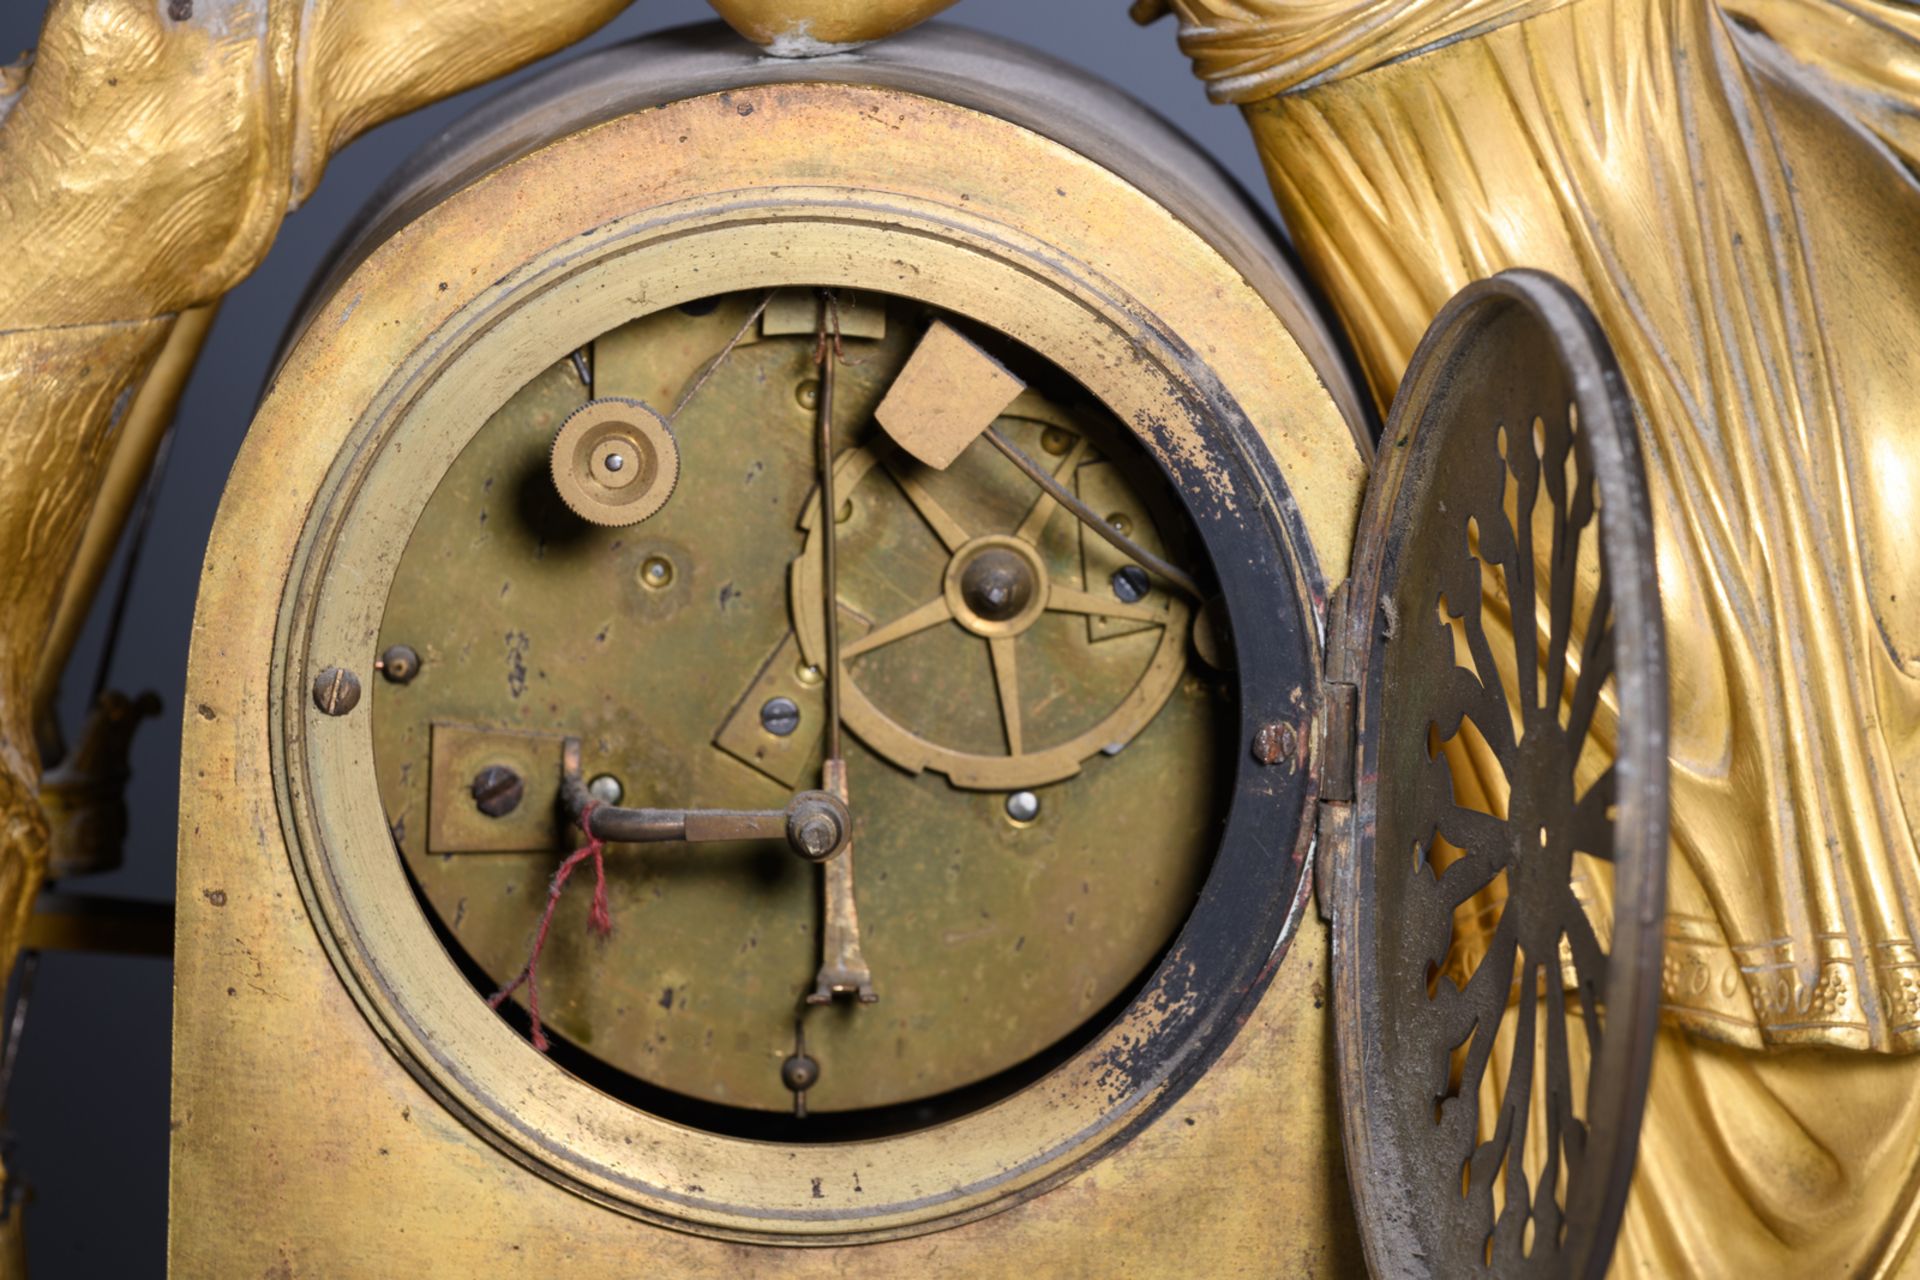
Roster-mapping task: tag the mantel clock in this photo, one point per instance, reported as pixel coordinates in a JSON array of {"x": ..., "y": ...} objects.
[{"x": 768, "y": 695}]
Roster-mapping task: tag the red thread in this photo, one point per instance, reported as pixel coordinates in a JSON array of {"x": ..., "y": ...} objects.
[{"x": 597, "y": 916}]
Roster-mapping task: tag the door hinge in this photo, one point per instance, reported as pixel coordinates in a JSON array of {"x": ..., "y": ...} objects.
[
  {"x": 1336, "y": 751},
  {"x": 1337, "y": 743}
]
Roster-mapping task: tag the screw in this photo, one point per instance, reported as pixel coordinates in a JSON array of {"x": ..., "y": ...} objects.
[
  {"x": 497, "y": 790},
  {"x": 336, "y": 691},
  {"x": 606, "y": 789},
  {"x": 399, "y": 663},
  {"x": 1023, "y": 806},
  {"x": 656, "y": 572},
  {"x": 1130, "y": 583},
  {"x": 1056, "y": 441},
  {"x": 1274, "y": 743},
  {"x": 799, "y": 1073},
  {"x": 780, "y": 716}
]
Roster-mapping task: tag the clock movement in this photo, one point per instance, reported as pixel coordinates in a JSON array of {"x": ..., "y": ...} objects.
[{"x": 773, "y": 691}]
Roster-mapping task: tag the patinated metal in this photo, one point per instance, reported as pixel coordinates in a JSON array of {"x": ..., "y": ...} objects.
[
  {"x": 1506, "y": 873},
  {"x": 511, "y": 661},
  {"x": 411, "y": 1046}
]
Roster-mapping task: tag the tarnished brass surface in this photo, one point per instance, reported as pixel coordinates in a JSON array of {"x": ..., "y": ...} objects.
[
  {"x": 947, "y": 393},
  {"x": 903, "y": 580},
  {"x": 990, "y": 939},
  {"x": 453, "y": 822},
  {"x": 614, "y": 462},
  {"x": 1258, "y": 1116}
]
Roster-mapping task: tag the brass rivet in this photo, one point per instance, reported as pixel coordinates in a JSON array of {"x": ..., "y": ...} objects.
[
  {"x": 656, "y": 572},
  {"x": 1056, "y": 441}
]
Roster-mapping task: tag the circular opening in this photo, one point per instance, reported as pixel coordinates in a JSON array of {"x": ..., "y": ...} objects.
[{"x": 1002, "y": 924}]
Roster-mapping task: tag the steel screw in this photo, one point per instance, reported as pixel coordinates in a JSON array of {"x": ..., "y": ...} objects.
[
  {"x": 497, "y": 790},
  {"x": 606, "y": 789},
  {"x": 1274, "y": 743},
  {"x": 336, "y": 691},
  {"x": 1023, "y": 806},
  {"x": 399, "y": 663},
  {"x": 1130, "y": 583},
  {"x": 780, "y": 716}
]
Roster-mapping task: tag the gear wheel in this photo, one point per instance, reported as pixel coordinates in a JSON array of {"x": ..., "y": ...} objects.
[{"x": 615, "y": 462}]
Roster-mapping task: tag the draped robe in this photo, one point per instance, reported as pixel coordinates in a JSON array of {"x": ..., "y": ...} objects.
[{"x": 1732, "y": 186}]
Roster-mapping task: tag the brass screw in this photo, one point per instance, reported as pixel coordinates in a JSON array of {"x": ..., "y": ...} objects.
[
  {"x": 1056, "y": 441},
  {"x": 336, "y": 691},
  {"x": 656, "y": 572}
]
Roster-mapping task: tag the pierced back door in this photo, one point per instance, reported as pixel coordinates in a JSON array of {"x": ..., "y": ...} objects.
[{"x": 1497, "y": 915}]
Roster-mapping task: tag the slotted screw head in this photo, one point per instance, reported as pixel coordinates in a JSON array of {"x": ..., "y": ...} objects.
[
  {"x": 497, "y": 790},
  {"x": 780, "y": 716},
  {"x": 1130, "y": 584},
  {"x": 336, "y": 691}
]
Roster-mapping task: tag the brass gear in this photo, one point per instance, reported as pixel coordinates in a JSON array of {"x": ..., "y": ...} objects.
[
  {"x": 615, "y": 462},
  {"x": 1031, "y": 591}
]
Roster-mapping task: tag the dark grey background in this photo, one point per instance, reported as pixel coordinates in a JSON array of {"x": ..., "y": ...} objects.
[{"x": 89, "y": 1102}]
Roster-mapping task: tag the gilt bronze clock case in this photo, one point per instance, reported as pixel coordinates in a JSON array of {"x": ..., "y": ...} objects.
[{"x": 337, "y": 1067}]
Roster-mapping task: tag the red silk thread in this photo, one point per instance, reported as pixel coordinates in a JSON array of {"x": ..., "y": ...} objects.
[{"x": 598, "y": 917}]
